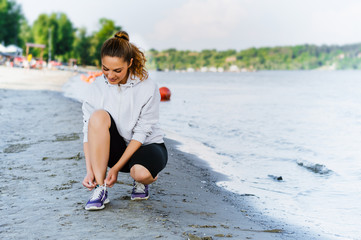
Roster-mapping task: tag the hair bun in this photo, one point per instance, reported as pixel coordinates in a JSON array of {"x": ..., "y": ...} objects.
[{"x": 122, "y": 35}]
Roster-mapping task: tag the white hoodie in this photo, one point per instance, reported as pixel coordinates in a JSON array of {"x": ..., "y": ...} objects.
[{"x": 134, "y": 107}]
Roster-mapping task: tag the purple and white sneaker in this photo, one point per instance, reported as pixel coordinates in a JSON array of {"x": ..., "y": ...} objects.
[
  {"x": 140, "y": 191},
  {"x": 98, "y": 198}
]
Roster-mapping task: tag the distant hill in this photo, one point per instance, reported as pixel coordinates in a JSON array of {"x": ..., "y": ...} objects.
[{"x": 300, "y": 57}]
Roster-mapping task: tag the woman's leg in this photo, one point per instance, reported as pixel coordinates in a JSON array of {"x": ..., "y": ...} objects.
[
  {"x": 99, "y": 143},
  {"x": 147, "y": 162},
  {"x": 142, "y": 175}
]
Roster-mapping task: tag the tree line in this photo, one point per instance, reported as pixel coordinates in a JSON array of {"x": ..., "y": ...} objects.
[
  {"x": 301, "y": 57},
  {"x": 64, "y": 41}
]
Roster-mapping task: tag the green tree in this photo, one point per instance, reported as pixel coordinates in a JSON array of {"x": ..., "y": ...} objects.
[
  {"x": 40, "y": 32},
  {"x": 82, "y": 46},
  {"x": 25, "y": 34},
  {"x": 61, "y": 32},
  {"x": 10, "y": 18},
  {"x": 63, "y": 43}
]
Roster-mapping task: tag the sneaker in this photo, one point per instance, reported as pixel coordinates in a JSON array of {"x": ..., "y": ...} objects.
[
  {"x": 98, "y": 198},
  {"x": 140, "y": 191}
]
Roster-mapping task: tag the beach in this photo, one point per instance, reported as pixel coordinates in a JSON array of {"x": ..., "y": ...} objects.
[{"x": 42, "y": 166}]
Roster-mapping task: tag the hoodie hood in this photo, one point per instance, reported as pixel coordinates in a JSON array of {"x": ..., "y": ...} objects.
[{"x": 130, "y": 82}]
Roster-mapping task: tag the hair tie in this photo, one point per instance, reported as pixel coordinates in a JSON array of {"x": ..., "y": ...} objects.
[{"x": 121, "y": 37}]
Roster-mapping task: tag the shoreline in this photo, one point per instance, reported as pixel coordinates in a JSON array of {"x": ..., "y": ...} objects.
[{"x": 43, "y": 166}]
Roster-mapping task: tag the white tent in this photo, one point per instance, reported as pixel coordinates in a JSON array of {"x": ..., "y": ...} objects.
[
  {"x": 2, "y": 48},
  {"x": 15, "y": 50}
]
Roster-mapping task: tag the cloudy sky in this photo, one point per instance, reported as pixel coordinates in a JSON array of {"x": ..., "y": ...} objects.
[{"x": 215, "y": 24}]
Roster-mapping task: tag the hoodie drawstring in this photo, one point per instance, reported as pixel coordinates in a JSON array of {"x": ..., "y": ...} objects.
[{"x": 131, "y": 100}]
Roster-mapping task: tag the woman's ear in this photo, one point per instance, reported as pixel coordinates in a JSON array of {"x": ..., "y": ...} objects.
[{"x": 131, "y": 62}]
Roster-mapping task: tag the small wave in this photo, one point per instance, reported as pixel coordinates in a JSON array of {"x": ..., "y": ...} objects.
[{"x": 314, "y": 167}]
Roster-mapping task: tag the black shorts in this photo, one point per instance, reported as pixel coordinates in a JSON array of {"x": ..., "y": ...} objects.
[{"x": 153, "y": 156}]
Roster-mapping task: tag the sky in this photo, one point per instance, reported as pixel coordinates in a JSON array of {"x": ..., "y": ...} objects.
[{"x": 214, "y": 24}]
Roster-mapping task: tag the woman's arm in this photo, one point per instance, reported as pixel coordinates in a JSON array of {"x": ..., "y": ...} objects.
[
  {"x": 87, "y": 160},
  {"x": 88, "y": 109},
  {"x": 112, "y": 176},
  {"x": 88, "y": 181}
]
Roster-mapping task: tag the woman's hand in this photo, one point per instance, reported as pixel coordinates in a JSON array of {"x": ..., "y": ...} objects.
[
  {"x": 89, "y": 181},
  {"x": 111, "y": 177}
]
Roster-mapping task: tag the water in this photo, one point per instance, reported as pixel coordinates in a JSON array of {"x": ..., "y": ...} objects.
[{"x": 303, "y": 126}]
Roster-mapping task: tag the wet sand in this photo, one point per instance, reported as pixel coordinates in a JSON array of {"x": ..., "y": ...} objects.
[{"x": 42, "y": 167}]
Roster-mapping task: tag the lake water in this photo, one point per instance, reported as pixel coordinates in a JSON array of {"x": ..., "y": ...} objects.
[{"x": 255, "y": 128}]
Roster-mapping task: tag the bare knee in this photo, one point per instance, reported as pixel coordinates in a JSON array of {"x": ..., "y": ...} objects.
[
  {"x": 99, "y": 118},
  {"x": 141, "y": 174}
]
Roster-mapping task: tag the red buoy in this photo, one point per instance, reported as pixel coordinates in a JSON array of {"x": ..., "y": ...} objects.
[{"x": 164, "y": 94}]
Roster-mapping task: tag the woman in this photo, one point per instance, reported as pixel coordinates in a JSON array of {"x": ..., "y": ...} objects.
[{"x": 121, "y": 124}]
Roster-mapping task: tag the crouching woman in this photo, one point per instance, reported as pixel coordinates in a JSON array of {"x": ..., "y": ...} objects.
[{"x": 120, "y": 115}]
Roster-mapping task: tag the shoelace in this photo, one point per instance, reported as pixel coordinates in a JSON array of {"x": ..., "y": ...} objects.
[
  {"x": 97, "y": 191},
  {"x": 139, "y": 187}
]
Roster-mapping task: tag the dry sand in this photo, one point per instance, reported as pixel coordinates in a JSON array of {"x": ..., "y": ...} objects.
[
  {"x": 30, "y": 79},
  {"x": 42, "y": 166}
]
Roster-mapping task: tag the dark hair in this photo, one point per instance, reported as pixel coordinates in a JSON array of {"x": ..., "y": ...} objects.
[{"x": 119, "y": 46}]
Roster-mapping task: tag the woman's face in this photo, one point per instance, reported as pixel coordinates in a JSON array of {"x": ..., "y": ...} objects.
[{"x": 115, "y": 69}]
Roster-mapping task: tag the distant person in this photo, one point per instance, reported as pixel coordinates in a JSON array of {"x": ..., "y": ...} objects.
[{"x": 120, "y": 118}]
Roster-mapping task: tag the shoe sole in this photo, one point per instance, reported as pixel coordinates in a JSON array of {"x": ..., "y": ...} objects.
[
  {"x": 138, "y": 198},
  {"x": 98, "y": 208},
  {"x": 95, "y": 208}
]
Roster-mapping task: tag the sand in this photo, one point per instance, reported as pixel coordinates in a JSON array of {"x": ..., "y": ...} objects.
[
  {"x": 42, "y": 167},
  {"x": 30, "y": 79}
]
